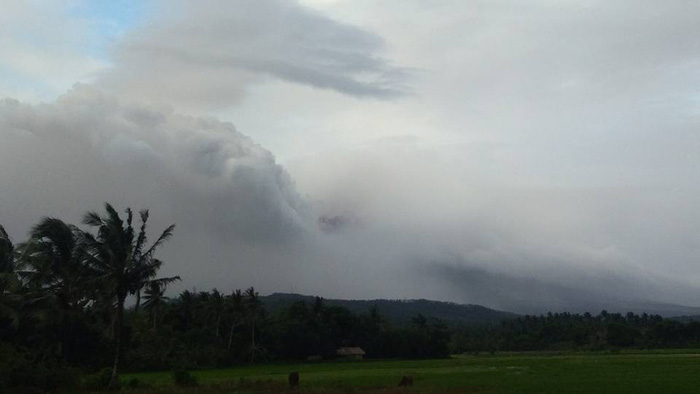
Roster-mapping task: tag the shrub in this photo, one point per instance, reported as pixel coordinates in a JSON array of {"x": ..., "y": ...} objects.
[
  {"x": 60, "y": 377},
  {"x": 100, "y": 380},
  {"x": 183, "y": 378},
  {"x": 23, "y": 370},
  {"x": 135, "y": 383}
]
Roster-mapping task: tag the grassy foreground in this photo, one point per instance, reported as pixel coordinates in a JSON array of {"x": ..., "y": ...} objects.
[{"x": 640, "y": 372}]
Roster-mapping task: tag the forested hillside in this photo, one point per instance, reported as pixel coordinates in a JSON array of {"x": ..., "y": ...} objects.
[{"x": 400, "y": 312}]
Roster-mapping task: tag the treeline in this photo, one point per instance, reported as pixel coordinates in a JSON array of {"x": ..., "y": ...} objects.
[
  {"x": 566, "y": 331},
  {"x": 210, "y": 329}
]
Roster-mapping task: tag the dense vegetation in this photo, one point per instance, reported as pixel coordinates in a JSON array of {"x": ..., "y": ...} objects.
[
  {"x": 566, "y": 331},
  {"x": 208, "y": 329},
  {"x": 64, "y": 313},
  {"x": 63, "y": 294}
]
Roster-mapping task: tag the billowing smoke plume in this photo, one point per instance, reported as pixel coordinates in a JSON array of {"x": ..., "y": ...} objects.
[
  {"x": 562, "y": 175},
  {"x": 208, "y": 56},
  {"x": 86, "y": 148},
  {"x": 373, "y": 233}
]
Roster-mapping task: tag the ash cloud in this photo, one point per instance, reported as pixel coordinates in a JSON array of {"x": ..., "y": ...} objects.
[
  {"x": 66, "y": 157},
  {"x": 241, "y": 220},
  {"x": 568, "y": 289},
  {"x": 548, "y": 161},
  {"x": 208, "y": 56}
]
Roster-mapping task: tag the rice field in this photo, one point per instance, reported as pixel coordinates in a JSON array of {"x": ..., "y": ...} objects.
[{"x": 636, "y": 372}]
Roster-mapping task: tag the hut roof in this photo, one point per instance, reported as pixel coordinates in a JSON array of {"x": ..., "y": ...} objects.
[{"x": 350, "y": 351}]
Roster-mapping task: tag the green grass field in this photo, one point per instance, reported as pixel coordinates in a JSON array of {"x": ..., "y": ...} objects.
[{"x": 639, "y": 372}]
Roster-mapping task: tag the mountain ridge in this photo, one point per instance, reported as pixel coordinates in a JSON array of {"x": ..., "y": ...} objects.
[{"x": 400, "y": 311}]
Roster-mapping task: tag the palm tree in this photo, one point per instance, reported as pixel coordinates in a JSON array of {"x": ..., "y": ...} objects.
[
  {"x": 55, "y": 263},
  {"x": 318, "y": 306},
  {"x": 253, "y": 307},
  {"x": 121, "y": 259},
  {"x": 9, "y": 282},
  {"x": 216, "y": 309},
  {"x": 210, "y": 309},
  {"x": 152, "y": 284},
  {"x": 202, "y": 314},
  {"x": 147, "y": 268},
  {"x": 155, "y": 298},
  {"x": 7, "y": 250},
  {"x": 55, "y": 269},
  {"x": 186, "y": 302},
  {"x": 235, "y": 309}
]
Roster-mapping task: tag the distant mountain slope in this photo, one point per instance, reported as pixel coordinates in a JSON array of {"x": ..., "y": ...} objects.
[
  {"x": 673, "y": 311},
  {"x": 685, "y": 319},
  {"x": 400, "y": 312},
  {"x": 658, "y": 308}
]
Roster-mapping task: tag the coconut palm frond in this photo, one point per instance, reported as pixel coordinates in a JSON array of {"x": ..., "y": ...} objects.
[
  {"x": 164, "y": 236},
  {"x": 7, "y": 251},
  {"x": 166, "y": 281},
  {"x": 92, "y": 219},
  {"x": 142, "y": 237}
]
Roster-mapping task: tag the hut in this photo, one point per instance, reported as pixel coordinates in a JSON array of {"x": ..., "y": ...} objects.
[{"x": 351, "y": 353}]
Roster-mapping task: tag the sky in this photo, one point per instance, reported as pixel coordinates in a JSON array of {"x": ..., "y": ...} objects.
[{"x": 525, "y": 156}]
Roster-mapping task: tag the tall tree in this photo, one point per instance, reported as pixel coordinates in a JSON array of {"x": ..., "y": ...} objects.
[
  {"x": 235, "y": 310},
  {"x": 186, "y": 302},
  {"x": 9, "y": 283},
  {"x": 253, "y": 307},
  {"x": 155, "y": 298},
  {"x": 146, "y": 267},
  {"x": 121, "y": 259},
  {"x": 54, "y": 268},
  {"x": 54, "y": 260},
  {"x": 215, "y": 307},
  {"x": 7, "y": 249}
]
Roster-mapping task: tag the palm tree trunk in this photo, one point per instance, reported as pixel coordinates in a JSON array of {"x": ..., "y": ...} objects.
[
  {"x": 230, "y": 335},
  {"x": 155, "y": 318},
  {"x": 252, "y": 346},
  {"x": 118, "y": 322},
  {"x": 112, "y": 325},
  {"x": 70, "y": 342},
  {"x": 138, "y": 301}
]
